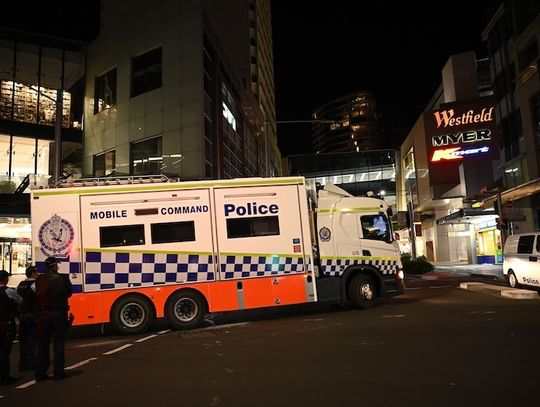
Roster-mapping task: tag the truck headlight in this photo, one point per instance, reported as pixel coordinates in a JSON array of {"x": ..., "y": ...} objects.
[{"x": 400, "y": 274}]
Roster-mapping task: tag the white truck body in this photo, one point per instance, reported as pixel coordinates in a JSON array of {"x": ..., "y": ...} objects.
[{"x": 136, "y": 248}]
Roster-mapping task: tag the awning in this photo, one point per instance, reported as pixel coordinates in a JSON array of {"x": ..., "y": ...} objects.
[
  {"x": 465, "y": 215},
  {"x": 513, "y": 194}
]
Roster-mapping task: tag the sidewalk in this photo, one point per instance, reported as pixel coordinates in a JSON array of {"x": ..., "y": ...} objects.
[{"x": 461, "y": 270}]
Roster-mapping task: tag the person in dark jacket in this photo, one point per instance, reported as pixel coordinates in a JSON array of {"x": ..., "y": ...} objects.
[
  {"x": 9, "y": 300},
  {"x": 53, "y": 290},
  {"x": 27, "y": 320}
]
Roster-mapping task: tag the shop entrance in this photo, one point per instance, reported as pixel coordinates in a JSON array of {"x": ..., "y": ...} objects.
[
  {"x": 15, "y": 254},
  {"x": 489, "y": 248}
]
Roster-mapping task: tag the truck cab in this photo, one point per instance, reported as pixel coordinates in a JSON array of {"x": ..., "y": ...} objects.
[{"x": 358, "y": 259}]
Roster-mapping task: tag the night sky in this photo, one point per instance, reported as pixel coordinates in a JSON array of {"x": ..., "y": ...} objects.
[{"x": 328, "y": 49}]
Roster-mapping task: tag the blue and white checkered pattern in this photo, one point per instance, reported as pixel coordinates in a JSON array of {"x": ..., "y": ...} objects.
[
  {"x": 107, "y": 270},
  {"x": 243, "y": 266},
  {"x": 71, "y": 267},
  {"x": 335, "y": 267}
]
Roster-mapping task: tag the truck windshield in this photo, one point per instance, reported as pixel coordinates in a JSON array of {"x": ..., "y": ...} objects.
[{"x": 375, "y": 227}]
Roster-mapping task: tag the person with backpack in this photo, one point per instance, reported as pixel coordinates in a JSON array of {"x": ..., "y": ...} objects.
[{"x": 9, "y": 301}]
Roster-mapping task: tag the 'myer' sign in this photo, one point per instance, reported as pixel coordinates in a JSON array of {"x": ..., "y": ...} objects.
[{"x": 456, "y": 133}]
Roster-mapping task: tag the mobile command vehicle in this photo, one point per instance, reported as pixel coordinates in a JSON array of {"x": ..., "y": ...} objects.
[
  {"x": 144, "y": 248},
  {"x": 521, "y": 264}
]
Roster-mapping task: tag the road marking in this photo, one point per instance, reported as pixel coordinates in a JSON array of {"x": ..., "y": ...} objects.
[
  {"x": 102, "y": 343},
  {"x": 25, "y": 385},
  {"x": 394, "y": 316},
  {"x": 118, "y": 349},
  {"x": 164, "y": 332},
  {"x": 440, "y": 286},
  {"x": 84, "y": 362},
  {"x": 146, "y": 338}
]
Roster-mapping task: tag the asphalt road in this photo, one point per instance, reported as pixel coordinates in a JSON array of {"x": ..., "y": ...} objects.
[{"x": 437, "y": 345}]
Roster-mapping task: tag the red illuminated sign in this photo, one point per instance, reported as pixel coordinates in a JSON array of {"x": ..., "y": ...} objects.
[{"x": 456, "y": 134}]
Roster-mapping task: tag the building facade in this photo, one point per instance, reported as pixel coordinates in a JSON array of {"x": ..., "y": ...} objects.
[
  {"x": 346, "y": 124},
  {"x": 512, "y": 37},
  {"x": 33, "y": 70},
  {"x": 162, "y": 96},
  {"x": 448, "y": 159}
]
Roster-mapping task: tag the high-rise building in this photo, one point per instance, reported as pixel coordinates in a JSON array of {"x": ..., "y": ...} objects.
[
  {"x": 347, "y": 124},
  {"x": 244, "y": 28},
  {"x": 167, "y": 93}
]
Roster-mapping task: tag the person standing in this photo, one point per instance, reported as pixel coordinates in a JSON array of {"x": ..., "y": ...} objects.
[
  {"x": 53, "y": 290},
  {"x": 9, "y": 300},
  {"x": 27, "y": 320}
]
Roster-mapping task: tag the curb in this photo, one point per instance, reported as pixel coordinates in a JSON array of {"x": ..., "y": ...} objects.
[{"x": 500, "y": 291}]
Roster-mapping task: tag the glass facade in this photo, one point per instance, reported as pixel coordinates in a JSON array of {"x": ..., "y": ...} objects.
[
  {"x": 357, "y": 173},
  {"x": 146, "y": 157}
]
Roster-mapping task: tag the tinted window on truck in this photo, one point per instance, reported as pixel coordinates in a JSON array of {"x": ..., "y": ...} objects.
[
  {"x": 252, "y": 227},
  {"x": 375, "y": 227},
  {"x": 173, "y": 232},
  {"x": 525, "y": 244},
  {"x": 127, "y": 235}
]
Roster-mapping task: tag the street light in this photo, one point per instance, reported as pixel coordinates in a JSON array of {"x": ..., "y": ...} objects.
[{"x": 266, "y": 147}]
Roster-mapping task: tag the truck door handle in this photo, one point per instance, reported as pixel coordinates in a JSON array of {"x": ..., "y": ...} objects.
[{"x": 533, "y": 258}]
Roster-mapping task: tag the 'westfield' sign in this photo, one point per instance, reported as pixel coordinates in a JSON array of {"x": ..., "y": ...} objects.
[
  {"x": 456, "y": 133},
  {"x": 448, "y": 118}
]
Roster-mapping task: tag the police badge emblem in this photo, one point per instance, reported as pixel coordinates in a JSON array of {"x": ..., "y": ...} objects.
[{"x": 56, "y": 236}]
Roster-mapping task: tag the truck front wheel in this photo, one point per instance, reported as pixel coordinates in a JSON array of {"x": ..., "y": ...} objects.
[{"x": 362, "y": 291}]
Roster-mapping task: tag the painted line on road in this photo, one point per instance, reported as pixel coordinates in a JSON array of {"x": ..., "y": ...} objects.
[
  {"x": 118, "y": 349},
  {"x": 394, "y": 316},
  {"x": 84, "y": 362},
  {"x": 25, "y": 385},
  {"x": 440, "y": 286},
  {"x": 164, "y": 332},
  {"x": 146, "y": 338}
]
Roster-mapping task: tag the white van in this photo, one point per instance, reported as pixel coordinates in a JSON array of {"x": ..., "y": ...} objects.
[{"x": 521, "y": 264}]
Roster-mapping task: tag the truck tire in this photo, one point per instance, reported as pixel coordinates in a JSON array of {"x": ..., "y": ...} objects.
[
  {"x": 131, "y": 314},
  {"x": 361, "y": 291},
  {"x": 185, "y": 309}
]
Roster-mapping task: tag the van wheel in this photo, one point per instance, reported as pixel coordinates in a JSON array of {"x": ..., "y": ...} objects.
[
  {"x": 362, "y": 292},
  {"x": 512, "y": 280},
  {"x": 131, "y": 315},
  {"x": 185, "y": 309}
]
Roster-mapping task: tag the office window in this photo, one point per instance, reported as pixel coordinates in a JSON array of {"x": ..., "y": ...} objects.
[
  {"x": 146, "y": 157},
  {"x": 104, "y": 163},
  {"x": 127, "y": 235},
  {"x": 173, "y": 232},
  {"x": 105, "y": 91},
  {"x": 146, "y": 72},
  {"x": 252, "y": 227}
]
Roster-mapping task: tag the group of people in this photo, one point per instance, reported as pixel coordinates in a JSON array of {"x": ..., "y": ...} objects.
[{"x": 40, "y": 304}]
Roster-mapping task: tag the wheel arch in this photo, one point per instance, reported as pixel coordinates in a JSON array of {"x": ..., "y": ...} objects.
[{"x": 186, "y": 289}]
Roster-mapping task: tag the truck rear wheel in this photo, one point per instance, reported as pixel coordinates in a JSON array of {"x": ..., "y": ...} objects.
[
  {"x": 131, "y": 315},
  {"x": 185, "y": 309},
  {"x": 361, "y": 291}
]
